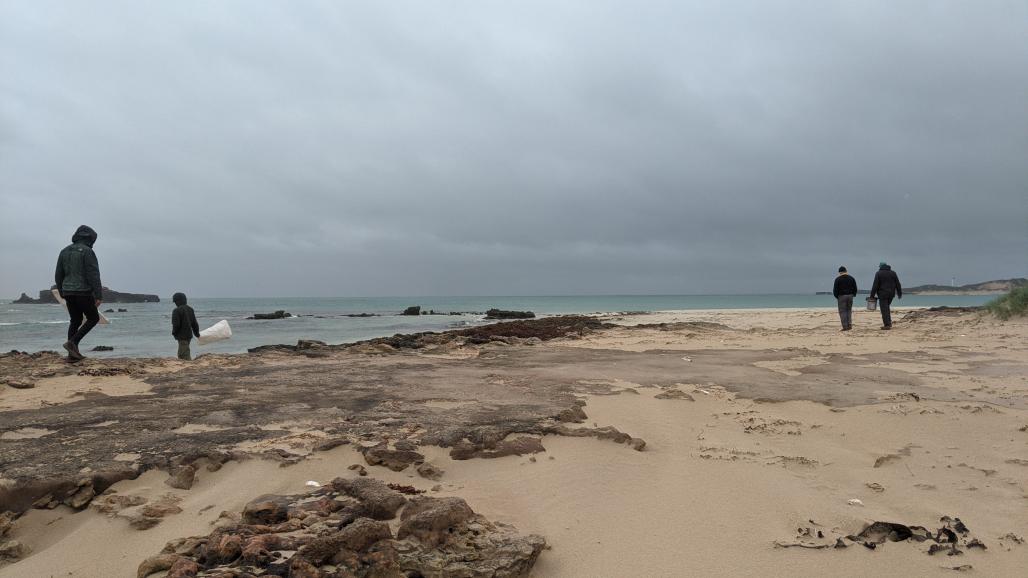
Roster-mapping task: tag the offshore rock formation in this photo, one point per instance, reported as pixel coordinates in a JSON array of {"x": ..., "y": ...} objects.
[
  {"x": 339, "y": 531},
  {"x": 109, "y": 296}
]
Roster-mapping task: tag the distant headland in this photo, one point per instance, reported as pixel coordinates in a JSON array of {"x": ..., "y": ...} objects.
[
  {"x": 994, "y": 287},
  {"x": 109, "y": 296}
]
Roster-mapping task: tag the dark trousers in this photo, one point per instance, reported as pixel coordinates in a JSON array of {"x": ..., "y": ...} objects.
[
  {"x": 846, "y": 311},
  {"x": 183, "y": 349},
  {"x": 884, "y": 303},
  {"x": 80, "y": 306}
]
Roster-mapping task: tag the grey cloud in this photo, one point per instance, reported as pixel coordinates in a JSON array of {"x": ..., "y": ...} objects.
[{"x": 327, "y": 148}]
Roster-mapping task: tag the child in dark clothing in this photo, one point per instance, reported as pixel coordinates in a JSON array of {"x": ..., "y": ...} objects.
[{"x": 183, "y": 325}]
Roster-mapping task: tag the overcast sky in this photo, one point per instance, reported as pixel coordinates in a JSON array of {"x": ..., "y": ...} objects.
[{"x": 496, "y": 148}]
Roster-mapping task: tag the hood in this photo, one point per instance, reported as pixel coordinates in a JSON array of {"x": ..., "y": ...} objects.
[
  {"x": 179, "y": 298},
  {"x": 884, "y": 267},
  {"x": 84, "y": 235}
]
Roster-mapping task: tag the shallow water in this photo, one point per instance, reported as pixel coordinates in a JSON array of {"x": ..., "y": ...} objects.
[{"x": 145, "y": 328}]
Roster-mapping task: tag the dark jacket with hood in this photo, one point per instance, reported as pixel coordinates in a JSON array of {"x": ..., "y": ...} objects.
[
  {"x": 78, "y": 272},
  {"x": 183, "y": 320},
  {"x": 886, "y": 284},
  {"x": 845, "y": 284}
]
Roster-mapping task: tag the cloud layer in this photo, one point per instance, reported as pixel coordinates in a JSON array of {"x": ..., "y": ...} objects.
[{"x": 412, "y": 148}]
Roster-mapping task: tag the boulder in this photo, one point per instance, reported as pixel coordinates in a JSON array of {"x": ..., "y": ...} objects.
[
  {"x": 430, "y": 520},
  {"x": 412, "y": 310},
  {"x": 440, "y": 537},
  {"x": 377, "y": 500},
  {"x": 430, "y": 471},
  {"x": 102, "y": 348},
  {"x": 357, "y": 537},
  {"x": 266, "y": 509}
]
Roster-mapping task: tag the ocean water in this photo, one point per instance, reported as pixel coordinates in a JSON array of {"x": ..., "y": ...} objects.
[{"x": 144, "y": 329}]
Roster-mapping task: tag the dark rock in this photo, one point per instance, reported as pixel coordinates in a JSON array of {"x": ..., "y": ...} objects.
[
  {"x": 502, "y": 314},
  {"x": 182, "y": 477},
  {"x": 24, "y": 300},
  {"x": 280, "y": 314},
  {"x": 183, "y": 568},
  {"x": 46, "y": 297},
  {"x": 430, "y": 471},
  {"x": 12, "y": 550},
  {"x": 120, "y": 310},
  {"x": 102, "y": 348},
  {"x": 155, "y": 564},
  {"x": 358, "y": 537},
  {"x": 377, "y": 500},
  {"x": 674, "y": 394},
  {"x": 406, "y": 445},
  {"x": 266, "y": 509},
  {"x": 430, "y": 520},
  {"x": 412, "y": 310},
  {"x": 514, "y": 447},
  {"x": 442, "y": 537},
  {"x": 396, "y": 460},
  {"x": 108, "y": 310},
  {"x": 19, "y": 384}
]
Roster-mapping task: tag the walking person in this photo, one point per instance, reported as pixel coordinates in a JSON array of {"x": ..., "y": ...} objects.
[
  {"x": 886, "y": 286},
  {"x": 78, "y": 283},
  {"x": 845, "y": 290},
  {"x": 183, "y": 325}
]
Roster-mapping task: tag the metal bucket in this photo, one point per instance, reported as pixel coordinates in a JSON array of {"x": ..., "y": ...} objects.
[{"x": 872, "y": 304}]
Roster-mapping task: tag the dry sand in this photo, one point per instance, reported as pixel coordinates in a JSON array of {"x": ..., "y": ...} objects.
[{"x": 724, "y": 476}]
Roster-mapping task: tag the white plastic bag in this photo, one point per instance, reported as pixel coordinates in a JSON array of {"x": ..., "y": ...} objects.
[
  {"x": 216, "y": 332},
  {"x": 57, "y": 295}
]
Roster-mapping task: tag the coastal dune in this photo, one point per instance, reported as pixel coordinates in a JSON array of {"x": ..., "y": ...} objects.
[{"x": 757, "y": 442}]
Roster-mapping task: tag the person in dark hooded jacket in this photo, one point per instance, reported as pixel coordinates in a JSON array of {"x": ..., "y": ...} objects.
[
  {"x": 886, "y": 286},
  {"x": 183, "y": 325},
  {"x": 78, "y": 282}
]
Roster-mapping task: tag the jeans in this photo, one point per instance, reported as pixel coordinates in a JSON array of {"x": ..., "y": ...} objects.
[
  {"x": 884, "y": 303},
  {"x": 183, "y": 349},
  {"x": 79, "y": 306},
  {"x": 846, "y": 311}
]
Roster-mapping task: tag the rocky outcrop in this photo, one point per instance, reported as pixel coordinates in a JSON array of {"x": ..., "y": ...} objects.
[
  {"x": 337, "y": 530},
  {"x": 46, "y": 297},
  {"x": 280, "y": 314},
  {"x": 502, "y": 314},
  {"x": 412, "y": 310}
]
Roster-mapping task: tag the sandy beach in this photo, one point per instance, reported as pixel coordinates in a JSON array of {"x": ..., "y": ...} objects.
[{"x": 680, "y": 443}]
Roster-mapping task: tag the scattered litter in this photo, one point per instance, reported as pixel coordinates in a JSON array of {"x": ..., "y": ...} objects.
[
  {"x": 855, "y": 502},
  {"x": 312, "y": 484},
  {"x": 689, "y": 359},
  {"x": 875, "y": 487}
]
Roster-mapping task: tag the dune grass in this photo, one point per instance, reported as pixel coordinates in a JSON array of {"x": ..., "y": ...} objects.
[{"x": 1013, "y": 304}]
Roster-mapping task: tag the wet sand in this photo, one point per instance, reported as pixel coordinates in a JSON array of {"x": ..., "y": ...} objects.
[{"x": 759, "y": 425}]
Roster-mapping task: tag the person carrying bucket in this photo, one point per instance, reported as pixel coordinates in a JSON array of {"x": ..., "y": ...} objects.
[{"x": 886, "y": 286}]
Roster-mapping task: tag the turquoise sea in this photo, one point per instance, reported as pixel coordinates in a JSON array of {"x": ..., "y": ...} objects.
[{"x": 144, "y": 329}]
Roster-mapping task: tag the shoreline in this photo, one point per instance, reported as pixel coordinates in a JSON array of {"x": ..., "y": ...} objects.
[{"x": 752, "y": 427}]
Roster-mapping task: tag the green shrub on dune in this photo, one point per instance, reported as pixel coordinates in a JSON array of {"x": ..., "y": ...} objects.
[{"x": 1010, "y": 305}]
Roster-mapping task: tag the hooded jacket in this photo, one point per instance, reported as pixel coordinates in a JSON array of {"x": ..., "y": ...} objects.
[
  {"x": 183, "y": 319},
  {"x": 886, "y": 284},
  {"x": 78, "y": 272}
]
